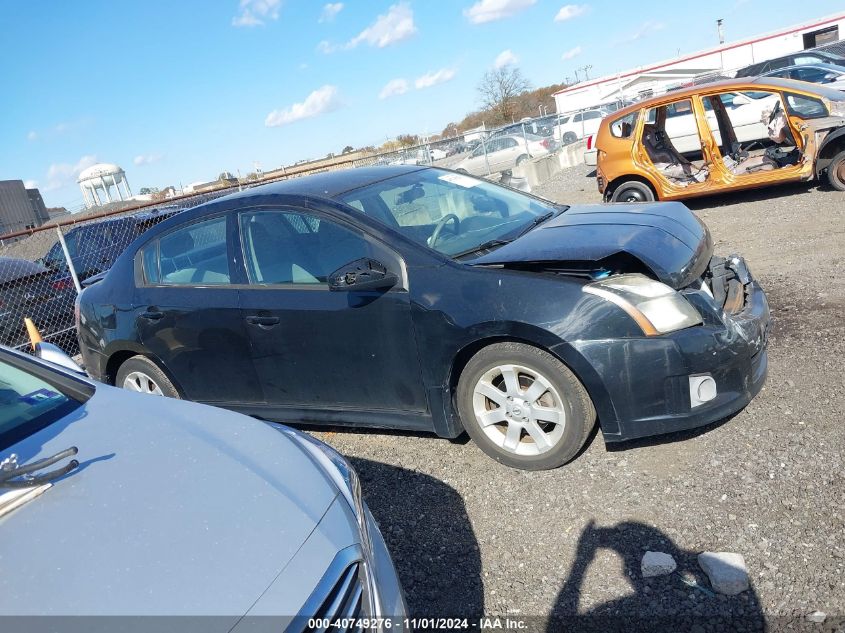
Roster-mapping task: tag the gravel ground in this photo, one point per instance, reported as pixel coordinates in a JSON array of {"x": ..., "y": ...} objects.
[{"x": 470, "y": 536}]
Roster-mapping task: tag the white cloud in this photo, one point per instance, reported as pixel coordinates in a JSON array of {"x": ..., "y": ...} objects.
[
  {"x": 504, "y": 58},
  {"x": 62, "y": 174},
  {"x": 30, "y": 184},
  {"x": 572, "y": 52},
  {"x": 394, "y": 26},
  {"x": 255, "y": 12},
  {"x": 32, "y": 136},
  {"x": 330, "y": 10},
  {"x": 147, "y": 159},
  {"x": 569, "y": 11},
  {"x": 327, "y": 47},
  {"x": 492, "y": 10},
  {"x": 393, "y": 88},
  {"x": 320, "y": 101},
  {"x": 433, "y": 78},
  {"x": 646, "y": 28}
]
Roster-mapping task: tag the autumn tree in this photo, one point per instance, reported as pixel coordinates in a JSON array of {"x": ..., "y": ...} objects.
[{"x": 499, "y": 89}]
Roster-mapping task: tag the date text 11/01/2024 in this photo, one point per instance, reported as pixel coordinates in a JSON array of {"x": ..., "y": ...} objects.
[{"x": 422, "y": 624}]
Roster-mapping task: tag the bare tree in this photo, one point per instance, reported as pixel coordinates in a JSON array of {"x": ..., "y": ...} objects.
[{"x": 498, "y": 90}]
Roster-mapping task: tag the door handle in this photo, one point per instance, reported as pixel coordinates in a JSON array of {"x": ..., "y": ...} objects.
[
  {"x": 265, "y": 321},
  {"x": 152, "y": 315}
]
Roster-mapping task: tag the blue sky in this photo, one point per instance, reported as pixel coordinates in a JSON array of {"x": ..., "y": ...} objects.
[{"x": 177, "y": 91}]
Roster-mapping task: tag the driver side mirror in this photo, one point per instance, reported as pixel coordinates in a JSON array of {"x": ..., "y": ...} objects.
[
  {"x": 362, "y": 274},
  {"x": 829, "y": 77}
]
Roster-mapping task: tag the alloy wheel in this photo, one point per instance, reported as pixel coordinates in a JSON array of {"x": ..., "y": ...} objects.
[
  {"x": 140, "y": 382},
  {"x": 519, "y": 410}
]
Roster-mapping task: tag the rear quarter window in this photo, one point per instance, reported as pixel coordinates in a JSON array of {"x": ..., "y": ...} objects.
[{"x": 623, "y": 127}]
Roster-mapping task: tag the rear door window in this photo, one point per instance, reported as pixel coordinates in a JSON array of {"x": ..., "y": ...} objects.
[{"x": 195, "y": 255}]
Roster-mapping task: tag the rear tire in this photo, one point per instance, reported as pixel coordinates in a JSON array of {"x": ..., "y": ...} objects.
[
  {"x": 836, "y": 172},
  {"x": 521, "y": 160},
  {"x": 569, "y": 137},
  {"x": 632, "y": 191},
  {"x": 523, "y": 407},
  {"x": 142, "y": 375}
]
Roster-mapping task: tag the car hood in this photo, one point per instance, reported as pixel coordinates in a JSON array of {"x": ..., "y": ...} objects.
[
  {"x": 664, "y": 237},
  {"x": 176, "y": 509}
]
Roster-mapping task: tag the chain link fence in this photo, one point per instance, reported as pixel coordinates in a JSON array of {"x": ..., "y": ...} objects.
[{"x": 43, "y": 270}]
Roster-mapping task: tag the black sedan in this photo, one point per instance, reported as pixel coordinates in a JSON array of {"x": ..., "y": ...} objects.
[{"x": 419, "y": 298}]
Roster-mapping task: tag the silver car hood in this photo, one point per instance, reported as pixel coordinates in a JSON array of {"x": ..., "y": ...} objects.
[{"x": 176, "y": 508}]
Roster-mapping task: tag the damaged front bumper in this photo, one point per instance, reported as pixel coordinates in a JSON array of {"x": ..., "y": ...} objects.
[{"x": 652, "y": 381}]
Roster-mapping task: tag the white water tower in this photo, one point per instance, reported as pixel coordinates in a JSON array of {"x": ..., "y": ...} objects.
[{"x": 101, "y": 178}]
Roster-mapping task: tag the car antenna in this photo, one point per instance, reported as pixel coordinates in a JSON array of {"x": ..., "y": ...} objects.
[{"x": 10, "y": 470}]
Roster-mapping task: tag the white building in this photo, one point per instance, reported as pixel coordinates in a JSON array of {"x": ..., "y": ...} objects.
[{"x": 726, "y": 59}]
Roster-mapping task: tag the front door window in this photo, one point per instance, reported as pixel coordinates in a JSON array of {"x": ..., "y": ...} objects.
[{"x": 751, "y": 131}]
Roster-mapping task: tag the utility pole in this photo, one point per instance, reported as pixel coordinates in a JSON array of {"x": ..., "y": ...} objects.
[
  {"x": 720, "y": 30},
  {"x": 585, "y": 69}
]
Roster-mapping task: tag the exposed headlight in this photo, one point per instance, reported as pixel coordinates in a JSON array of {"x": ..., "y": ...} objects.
[
  {"x": 346, "y": 480},
  {"x": 836, "y": 108},
  {"x": 657, "y": 308}
]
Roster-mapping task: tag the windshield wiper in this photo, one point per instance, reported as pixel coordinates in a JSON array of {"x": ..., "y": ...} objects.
[
  {"x": 9, "y": 470},
  {"x": 537, "y": 221},
  {"x": 482, "y": 247}
]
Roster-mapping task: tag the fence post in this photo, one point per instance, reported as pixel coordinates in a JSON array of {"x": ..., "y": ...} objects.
[
  {"x": 69, "y": 261},
  {"x": 525, "y": 137},
  {"x": 486, "y": 160}
]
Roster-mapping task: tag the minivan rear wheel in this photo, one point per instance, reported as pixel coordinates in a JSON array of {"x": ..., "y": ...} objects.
[
  {"x": 142, "y": 375},
  {"x": 836, "y": 172},
  {"x": 524, "y": 407},
  {"x": 632, "y": 191}
]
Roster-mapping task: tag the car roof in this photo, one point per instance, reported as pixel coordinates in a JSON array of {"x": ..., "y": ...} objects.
[
  {"x": 831, "y": 67},
  {"x": 748, "y": 84},
  {"x": 328, "y": 184}
]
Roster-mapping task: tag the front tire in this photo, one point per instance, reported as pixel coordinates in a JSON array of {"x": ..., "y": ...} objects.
[
  {"x": 523, "y": 407},
  {"x": 569, "y": 138},
  {"x": 142, "y": 375},
  {"x": 632, "y": 191},
  {"x": 836, "y": 172}
]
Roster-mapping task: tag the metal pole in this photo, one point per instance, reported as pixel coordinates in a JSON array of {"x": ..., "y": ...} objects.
[
  {"x": 486, "y": 160},
  {"x": 525, "y": 137},
  {"x": 69, "y": 261}
]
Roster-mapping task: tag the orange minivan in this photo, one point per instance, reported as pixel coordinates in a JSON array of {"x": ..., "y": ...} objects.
[{"x": 722, "y": 137}]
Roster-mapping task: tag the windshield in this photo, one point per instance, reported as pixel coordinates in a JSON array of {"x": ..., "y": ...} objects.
[
  {"x": 450, "y": 212},
  {"x": 28, "y": 402}
]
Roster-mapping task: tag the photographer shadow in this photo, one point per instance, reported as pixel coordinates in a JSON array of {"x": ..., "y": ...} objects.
[
  {"x": 430, "y": 538},
  {"x": 663, "y": 603}
]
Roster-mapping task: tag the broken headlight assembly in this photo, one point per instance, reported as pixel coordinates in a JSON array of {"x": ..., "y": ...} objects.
[{"x": 657, "y": 308}]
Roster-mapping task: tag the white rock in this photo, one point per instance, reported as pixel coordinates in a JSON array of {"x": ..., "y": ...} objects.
[
  {"x": 657, "y": 564},
  {"x": 817, "y": 616},
  {"x": 726, "y": 571}
]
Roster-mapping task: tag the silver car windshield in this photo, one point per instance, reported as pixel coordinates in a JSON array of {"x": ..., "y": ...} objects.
[
  {"x": 451, "y": 212},
  {"x": 28, "y": 403}
]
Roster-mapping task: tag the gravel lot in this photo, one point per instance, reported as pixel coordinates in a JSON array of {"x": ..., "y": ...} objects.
[{"x": 470, "y": 536}]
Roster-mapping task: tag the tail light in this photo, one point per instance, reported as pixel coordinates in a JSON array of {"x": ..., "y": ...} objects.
[
  {"x": 545, "y": 143},
  {"x": 62, "y": 284},
  {"x": 590, "y": 142}
]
